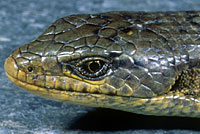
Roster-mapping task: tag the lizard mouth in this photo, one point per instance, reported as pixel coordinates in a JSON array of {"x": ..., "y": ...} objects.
[{"x": 48, "y": 93}]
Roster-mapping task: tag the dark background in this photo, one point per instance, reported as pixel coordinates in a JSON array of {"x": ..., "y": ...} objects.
[{"x": 22, "y": 113}]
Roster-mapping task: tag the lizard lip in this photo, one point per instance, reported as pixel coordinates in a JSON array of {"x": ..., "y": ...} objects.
[
  {"x": 66, "y": 96},
  {"x": 10, "y": 67}
]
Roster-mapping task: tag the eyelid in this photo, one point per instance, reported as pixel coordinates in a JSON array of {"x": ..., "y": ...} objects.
[
  {"x": 77, "y": 66},
  {"x": 95, "y": 75},
  {"x": 92, "y": 59}
]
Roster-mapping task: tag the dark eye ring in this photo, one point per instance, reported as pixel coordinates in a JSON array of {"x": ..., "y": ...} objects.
[{"x": 94, "y": 66}]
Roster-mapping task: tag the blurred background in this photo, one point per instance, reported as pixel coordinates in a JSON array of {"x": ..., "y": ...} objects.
[{"x": 22, "y": 113}]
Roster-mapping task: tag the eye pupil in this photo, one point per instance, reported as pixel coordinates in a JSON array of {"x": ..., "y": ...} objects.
[
  {"x": 94, "y": 66},
  {"x": 30, "y": 69}
]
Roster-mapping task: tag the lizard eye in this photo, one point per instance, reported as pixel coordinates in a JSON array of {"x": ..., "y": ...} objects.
[{"x": 93, "y": 68}]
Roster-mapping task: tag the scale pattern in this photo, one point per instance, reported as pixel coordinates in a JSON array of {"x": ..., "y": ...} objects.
[{"x": 147, "y": 53}]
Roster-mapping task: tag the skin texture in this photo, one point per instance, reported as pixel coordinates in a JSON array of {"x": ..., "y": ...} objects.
[{"x": 138, "y": 62}]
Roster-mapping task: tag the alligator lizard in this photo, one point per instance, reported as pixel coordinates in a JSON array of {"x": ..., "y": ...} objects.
[{"x": 140, "y": 62}]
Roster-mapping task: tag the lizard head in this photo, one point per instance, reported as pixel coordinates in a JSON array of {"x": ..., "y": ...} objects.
[{"x": 93, "y": 60}]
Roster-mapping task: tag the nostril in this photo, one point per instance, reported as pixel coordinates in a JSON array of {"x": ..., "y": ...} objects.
[{"x": 30, "y": 69}]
